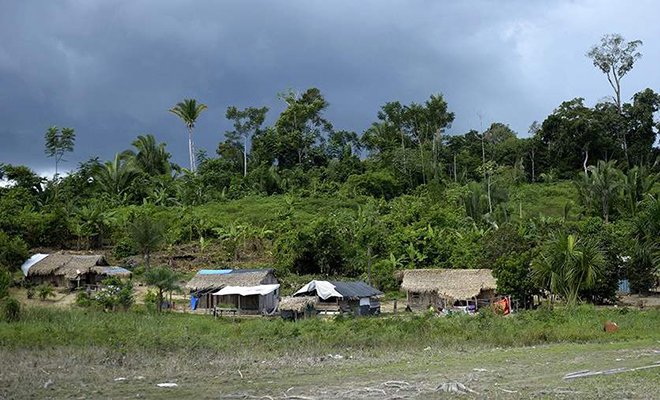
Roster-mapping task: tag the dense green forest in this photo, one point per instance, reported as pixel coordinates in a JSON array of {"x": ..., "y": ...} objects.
[{"x": 570, "y": 207}]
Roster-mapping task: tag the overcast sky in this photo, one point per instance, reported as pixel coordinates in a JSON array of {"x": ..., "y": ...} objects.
[{"x": 111, "y": 69}]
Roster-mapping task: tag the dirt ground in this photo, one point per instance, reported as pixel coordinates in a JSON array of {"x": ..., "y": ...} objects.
[{"x": 532, "y": 372}]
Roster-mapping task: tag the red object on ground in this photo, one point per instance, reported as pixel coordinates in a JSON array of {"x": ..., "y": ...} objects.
[
  {"x": 611, "y": 326},
  {"x": 502, "y": 307}
]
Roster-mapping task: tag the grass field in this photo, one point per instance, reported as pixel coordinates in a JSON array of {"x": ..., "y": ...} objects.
[{"x": 79, "y": 354}]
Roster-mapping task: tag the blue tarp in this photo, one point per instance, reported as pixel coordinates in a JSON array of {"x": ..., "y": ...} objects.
[
  {"x": 624, "y": 285},
  {"x": 193, "y": 302},
  {"x": 214, "y": 271}
]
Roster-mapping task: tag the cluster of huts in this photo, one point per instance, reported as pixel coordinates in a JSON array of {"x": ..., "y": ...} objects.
[
  {"x": 257, "y": 291},
  {"x": 70, "y": 270}
]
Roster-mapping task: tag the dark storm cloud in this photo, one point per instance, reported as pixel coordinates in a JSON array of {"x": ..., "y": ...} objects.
[{"x": 111, "y": 69}]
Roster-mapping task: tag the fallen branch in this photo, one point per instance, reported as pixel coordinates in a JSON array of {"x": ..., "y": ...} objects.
[{"x": 588, "y": 373}]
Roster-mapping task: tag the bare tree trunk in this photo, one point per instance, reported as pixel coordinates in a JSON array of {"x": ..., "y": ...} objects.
[
  {"x": 191, "y": 150},
  {"x": 533, "y": 176},
  {"x": 146, "y": 262},
  {"x": 245, "y": 156},
  {"x": 369, "y": 265},
  {"x": 490, "y": 202},
  {"x": 586, "y": 158}
]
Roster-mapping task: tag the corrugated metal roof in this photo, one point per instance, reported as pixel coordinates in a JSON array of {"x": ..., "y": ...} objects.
[{"x": 355, "y": 289}]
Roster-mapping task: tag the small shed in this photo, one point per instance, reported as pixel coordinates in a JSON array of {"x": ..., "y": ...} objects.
[
  {"x": 295, "y": 308},
  {"x": 66, "y": 270},
  {"x": 446, "y": 288},
  {"x": 336, "y": 297},
  {"x": 247, "y": 290}
]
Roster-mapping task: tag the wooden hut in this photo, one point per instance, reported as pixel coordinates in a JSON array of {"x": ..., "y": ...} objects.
[
  {"x": 337, "y": 297},
  {"x": 295, "y": 308},
  {"x": 249, "y": 291},
  {"x": 66, "y": 269},
  {"x": 448, "y": 288}
]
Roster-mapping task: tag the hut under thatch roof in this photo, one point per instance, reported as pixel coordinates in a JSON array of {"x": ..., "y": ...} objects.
[
  {"x": 64, "y": 269},
  {"x": 445, "y": 287},
  {"x": 209, "y": 281},
  {"x": 297, "y": 307}
]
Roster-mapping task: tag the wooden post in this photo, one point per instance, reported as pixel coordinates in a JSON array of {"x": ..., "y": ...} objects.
[
  {"x": 239, "y": 304},
  {"x": 394, "y": 306}
]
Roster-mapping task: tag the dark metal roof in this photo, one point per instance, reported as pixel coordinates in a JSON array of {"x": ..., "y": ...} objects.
[{"x": 355, "y": 289}]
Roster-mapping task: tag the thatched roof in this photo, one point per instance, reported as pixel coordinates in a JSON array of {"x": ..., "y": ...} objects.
[
  {"x": 69, "y": 265},
  {"x": 458, "y": 284},
  {"x": 209, "y": 279},
  {"x": 111, "y": 271},
  {"x": 297, "y": 304}
]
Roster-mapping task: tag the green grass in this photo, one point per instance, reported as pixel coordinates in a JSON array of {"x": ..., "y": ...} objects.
[
  {"x": 41, "y": 327},
  {"x": 81, "y": 353},
  {"x": 266, "y": 211},
  {"x": 546, "y": 199}
]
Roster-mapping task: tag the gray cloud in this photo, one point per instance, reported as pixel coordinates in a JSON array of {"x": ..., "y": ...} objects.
[{"x": 111, "y": 69}]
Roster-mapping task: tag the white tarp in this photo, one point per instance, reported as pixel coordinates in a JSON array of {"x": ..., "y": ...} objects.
[
  {"x": 31, "y": 261},
  {"x": 324, "y": 289},
  {"x": 247, "y": 290}
]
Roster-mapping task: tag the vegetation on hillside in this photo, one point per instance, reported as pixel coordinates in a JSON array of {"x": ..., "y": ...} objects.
[{"x": 569, "y": 210}]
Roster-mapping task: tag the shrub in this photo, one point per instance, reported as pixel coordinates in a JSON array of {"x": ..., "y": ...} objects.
[
  {"x": 45, "y": 291},
  {"x": 13, "y": 251},
  {"x": 5, "y": 282},
  {"x": 11, "y": 310},
  {"x": 124, "y": 248},
  {"x": 83, "y": 299},
  {"x": 116, "y": 294}
]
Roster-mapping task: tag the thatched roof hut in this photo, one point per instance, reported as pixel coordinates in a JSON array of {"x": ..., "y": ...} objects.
[
  {"x": 217, "y": 279},
  {"x": 457, "y": 284},
  {"x": 70, "y": 266},
  {"x": 297, "y": 304}
]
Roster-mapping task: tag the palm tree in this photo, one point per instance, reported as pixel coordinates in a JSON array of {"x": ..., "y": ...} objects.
[
  {"x": 566, "y": 265},
  {"x": 165, "y": 280},
  {"x": 148, "y": 235},
  {"x": 188, "y": 110},
  {"x": 151, "y": 156},
  {"x": 637, "y": 183},
  {"x": 606, "y": 180},
  {"x": 114, "y": 176}
]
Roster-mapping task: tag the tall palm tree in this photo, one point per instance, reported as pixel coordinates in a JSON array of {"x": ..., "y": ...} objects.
[
  {"x": 606, "y": 180},
  {"x": 188, "y": 110},
  {"x": 566, "y": 265}
]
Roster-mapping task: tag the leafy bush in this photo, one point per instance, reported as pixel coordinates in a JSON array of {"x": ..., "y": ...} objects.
[
  {"x": 124, "y": 248},
  {"x": 13, "y": 251},
  {"x": 115, "y": 294},
  {"x": 83, "y": 299},
  {"x": 45, "y": 291},
  {"x": 376, "y": 184},
  {"x": 11, "y": 310},
  {"x": 5, "y": 283}
]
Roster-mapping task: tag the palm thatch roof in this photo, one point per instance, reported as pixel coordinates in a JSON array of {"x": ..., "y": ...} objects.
[
  {"x": 111, "y": 271},
  {"x": 297, "y": 304},
  {"x": 458, "y": 284},
  {"x": 66, "y": 264},
  {"x": 217, "y": 279}
]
